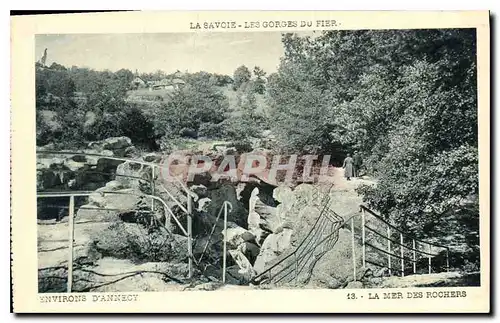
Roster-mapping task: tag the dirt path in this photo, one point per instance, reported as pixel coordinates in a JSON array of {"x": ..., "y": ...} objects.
[{"x": 343, "y": 196}]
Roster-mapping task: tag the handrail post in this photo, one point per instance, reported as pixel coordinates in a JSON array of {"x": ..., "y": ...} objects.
[
  {"x": 353, "y": 246},
  {"x": 402, "y": 255},
  {"x": 71, "y": 225},
  {"x": 152, "y": 192},
  {"x": 190, "y": 236},
  {"x": 363, "y": 235},
  {"x": 429, "y": 256},
  {"x": 389, "y": 251},
  {"x": 296, "y": 268},
  {"x": 225, "y": 245},
  {"x": 447, "y": 259},
  {"x": 414, "y": 258}
]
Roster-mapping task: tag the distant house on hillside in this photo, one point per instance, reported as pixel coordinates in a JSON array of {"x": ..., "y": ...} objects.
[
  {"x": 167, "y": 84},
  {"x": 137, "y": 83}
]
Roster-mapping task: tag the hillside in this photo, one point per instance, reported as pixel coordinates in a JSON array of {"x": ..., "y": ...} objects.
[{"x": 150, "y": 100}]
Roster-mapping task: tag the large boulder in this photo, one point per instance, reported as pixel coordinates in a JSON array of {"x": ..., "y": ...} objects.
[
  {"x": 274, "y": 246},
  {"x": 108, "y": 202},
  {"x": 53, "y": 242},
  {"x": 249, "y": 250},
  {"x": 113, "y": 196},
  {"x": 151, "y": 276},
  {"x": 219, "y": 195},
  {"x": 152, "y": 158},
  {"x": 200, "y": 190},
  {"x": 262, "y": 217},
  {"x": 245, "y": 271},
  {"x": 76, "y": 171},
  {"x": 237, "y": 235},
  {"x": 337, "y": 263},
  {"x": 134, "y": 242},
  {"x": 132, "y": 174},
  {"x": 203, "y": 204},
  {"x": 46, "y": 178},
  {"x": 118, "y": 145}
]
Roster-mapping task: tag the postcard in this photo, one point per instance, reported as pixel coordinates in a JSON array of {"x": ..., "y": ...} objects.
[{"x": 251, "y": 162}]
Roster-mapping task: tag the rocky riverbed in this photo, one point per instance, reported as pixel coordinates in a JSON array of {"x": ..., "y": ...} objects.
[{"x": 121, "y": 243}]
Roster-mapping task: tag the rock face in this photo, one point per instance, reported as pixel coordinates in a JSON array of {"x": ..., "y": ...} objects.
[
  {"x": 223, "y": 193},
  {"x": 152, "y": 157},
  {"x": 132, "y": 174},
  {"x": 354, "y": 285},
  {"x": 236, "y": 235},
  {"x": 118, "y": 275},
  {"x": 245, "y": 271},
  {"x": 118, "y": 145},
  {"x": 132, "y": 241},
  {"x": 109, "y": 224},
  {"x": 265, "y": 223},
  {"x": 291, "y": 223},
  {"x": 81, "y": 172},
  {"x": 262, "y": 218},
  {"x": 341, "y": 256},
  {"x": 274, "y": 246}
]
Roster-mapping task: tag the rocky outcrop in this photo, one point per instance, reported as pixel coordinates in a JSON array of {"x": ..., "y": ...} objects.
[
  {"x": 134, "y": 242},
  {"x": 243, "y": 271},
  {"x": 290, "y": 223},
  {"x": 325, "y": 272},
  {"x": 78, "y": 171},
  {"x": 117, "y": 275},
  {"x": 120, "y": 146},
  {"x": 224, "y": 193},
  {"x": 236, "y": 235},
  {"x": 273, "y": 247}
]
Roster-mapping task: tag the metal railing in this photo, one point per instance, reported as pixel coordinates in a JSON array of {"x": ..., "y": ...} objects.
[
  {"x": 187, "y": 208},
  {"x": 286, "y": 271},
  {"x": 415, "y": 249},
  {"x": 71, "y": 220},
  {"x": 299, "y": 263},
  {"x": 182, "y": 188}
]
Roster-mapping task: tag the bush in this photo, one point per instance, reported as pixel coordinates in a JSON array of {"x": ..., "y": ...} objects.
[
  {"x": 197, "y": 104},
  {"x": 212, "y": 130}
]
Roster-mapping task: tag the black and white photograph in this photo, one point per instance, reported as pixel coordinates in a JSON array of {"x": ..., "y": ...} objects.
[{"x": 389, "y": 117}]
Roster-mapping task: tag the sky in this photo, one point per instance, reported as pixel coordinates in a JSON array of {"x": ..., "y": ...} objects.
[{"x": 212, "y": 52}]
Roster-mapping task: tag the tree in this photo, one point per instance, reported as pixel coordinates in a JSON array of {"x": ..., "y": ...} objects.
[
  {"x": 55, "y": 66},
  {"x": 241, "y": 75},
  {"x": 246, "y": 122},
  {"x": 259, "y": 85},
  {"x": 198, "y": 103},
  {"x": 124, "y": 77},
  {"x": 56, "y": 81},
  {"x": 104, "y": 95},
  {"x": 406, "y": 99}
]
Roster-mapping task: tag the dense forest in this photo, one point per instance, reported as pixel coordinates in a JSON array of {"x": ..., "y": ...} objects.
[{"x": 405, "y": 99}]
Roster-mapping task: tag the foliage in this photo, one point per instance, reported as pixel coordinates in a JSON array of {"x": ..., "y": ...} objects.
[
  {"x": 56, "y": 82},
  {"x": 259, "y": 82},
  {"x": 406, "y": 99},
  {"x": 247, "y": 122},
  {"x": 212, "y": 78},
  {"x": 199, "y": 103},
  {"x": 102, "y": 112},
  {"x": 241, "y": 75}
]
